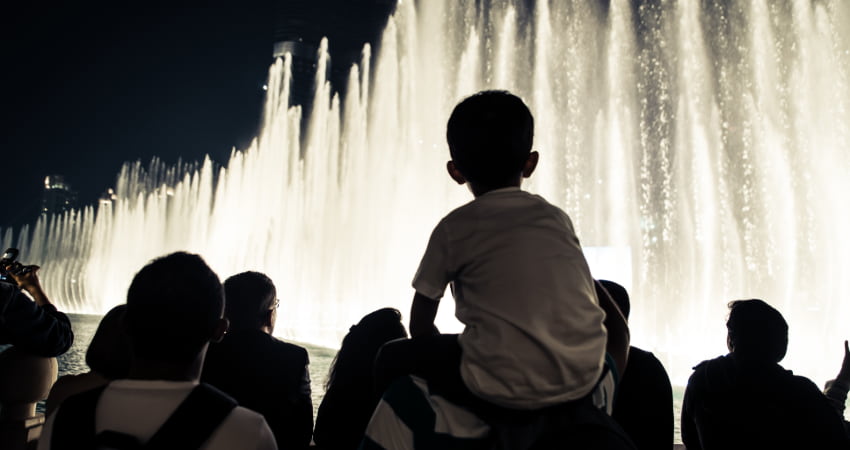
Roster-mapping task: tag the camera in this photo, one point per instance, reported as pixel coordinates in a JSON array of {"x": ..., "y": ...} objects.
[{"x": 6, "y": 263}]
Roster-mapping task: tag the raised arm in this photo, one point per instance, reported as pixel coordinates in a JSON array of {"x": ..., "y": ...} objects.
[
  {"x": 37, "y": 328},
  {"x": 27, "y": 279},
  {"x": 836, "y": 390},
  {"x": 422, "y": 315}
]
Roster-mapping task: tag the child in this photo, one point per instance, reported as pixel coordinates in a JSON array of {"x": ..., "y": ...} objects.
[{"x": 534, "y": 334}]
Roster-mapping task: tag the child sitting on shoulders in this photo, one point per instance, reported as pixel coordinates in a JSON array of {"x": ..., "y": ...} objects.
[{"x": 534, "y": 335}]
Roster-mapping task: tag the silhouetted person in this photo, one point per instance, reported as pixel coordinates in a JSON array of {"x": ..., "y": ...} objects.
[
  {"x": 349, "y": 396},
  {"x": 643, "y": 405},
  {"x": 34, "y": 326},
  {"x": 38, "y": 333},
  {"x": 746, "y": 400},
  {"x": 534, "y": 336},
  {"x": 108, "y": 358},
  {"x": 836, "y": 389},
  {"x": 175, "y": 307},
  {"x": 261, "y": 372}
]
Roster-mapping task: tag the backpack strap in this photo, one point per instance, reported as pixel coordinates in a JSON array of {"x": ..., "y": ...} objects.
[
  {"x": 188, "y": 427},
  {"x": 73, "y": 426},
  {"x": 192, "y": 423}
]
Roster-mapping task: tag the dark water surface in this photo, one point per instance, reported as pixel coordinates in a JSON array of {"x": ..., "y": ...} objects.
[{"x": 74, "y": 361}]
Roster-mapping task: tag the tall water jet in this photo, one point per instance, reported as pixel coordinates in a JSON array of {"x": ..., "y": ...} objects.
[{"x": 705, "y": 141}]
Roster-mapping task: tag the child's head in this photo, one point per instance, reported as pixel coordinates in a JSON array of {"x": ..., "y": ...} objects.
[{"x": 490, "y": 136}]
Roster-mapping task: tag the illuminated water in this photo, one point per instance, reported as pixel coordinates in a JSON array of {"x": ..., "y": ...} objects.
[{"x": 705, "y": 140}]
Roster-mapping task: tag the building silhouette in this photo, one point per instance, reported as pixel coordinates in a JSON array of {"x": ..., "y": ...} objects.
[
  {"x": 57, "y": 196},
  {"x": 300, "y": 26}
]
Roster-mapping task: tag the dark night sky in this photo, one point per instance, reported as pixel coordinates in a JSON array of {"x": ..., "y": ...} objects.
[{"x": 85, "y": 88}]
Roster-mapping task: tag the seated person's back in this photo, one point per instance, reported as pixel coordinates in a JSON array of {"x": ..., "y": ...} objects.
[
  {"x": 261, "y": 372},
  {"x": 350, "y": 399},
  {"x": 745, "y": 399},
  {"x": 175, "y": 307},
  {"x": 644, "y": 399}
]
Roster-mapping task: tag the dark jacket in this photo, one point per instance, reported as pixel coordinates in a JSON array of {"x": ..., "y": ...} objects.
[
  {"x": 268, "y": 376},
  {"x": 343, "y": 416},
  {"x": 734, "y": 404},
  {"x": 38, "y": 330},
  {"x": 643, "y": 405}
]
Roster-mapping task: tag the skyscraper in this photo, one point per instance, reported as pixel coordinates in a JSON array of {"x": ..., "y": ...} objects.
[
  {"x": 300, "y": 26},
  {"x": 58, "y": 196}
]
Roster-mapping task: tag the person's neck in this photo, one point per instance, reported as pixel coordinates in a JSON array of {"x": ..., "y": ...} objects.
[
  {"x": 267, "y": 329},
  {"x": 478, "y": 190},
  {"x": 146, "y": 369}
]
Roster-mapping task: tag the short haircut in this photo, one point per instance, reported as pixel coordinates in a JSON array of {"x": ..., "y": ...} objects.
[
  {"x": 757, "y": 331},
  {"x": 619, "y": 295},
  {"x": 248, "y": 296},
  {"x": 490, "y": 135},
  {"x": 109, "y": 351},
  {"x": 174, "y": 305}
]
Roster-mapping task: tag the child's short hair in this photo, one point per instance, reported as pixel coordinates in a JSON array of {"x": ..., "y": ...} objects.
[{"x": 490, "y": 136}]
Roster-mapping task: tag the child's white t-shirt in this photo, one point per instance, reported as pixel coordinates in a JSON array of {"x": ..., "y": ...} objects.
[{"x": 533, "y": 333}]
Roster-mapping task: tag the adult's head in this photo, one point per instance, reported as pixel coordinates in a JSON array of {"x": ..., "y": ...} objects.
[
  {"x": 251, "y": 301},
  {"x": 109, "y": 351},
  {"x": 619, "y": 294},
  {"x": 174, "y": 308},
  {"x": 490, "y": 135},
  {"x": 353, "y": 363},
  {"x": 756, "y": 331}
]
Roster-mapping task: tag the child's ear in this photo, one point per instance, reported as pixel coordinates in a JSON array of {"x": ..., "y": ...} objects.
[
  {"x": 530, "y": 164},
  {"x": 454, "y": 173}
]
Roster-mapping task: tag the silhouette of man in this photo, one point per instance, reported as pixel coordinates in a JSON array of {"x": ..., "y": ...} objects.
[
  {"x": 644, "y": 402},
  {"x": 746, "y": 400},
  {"x": 175, "y": 307},
  {"x": 262, "y": 373}
]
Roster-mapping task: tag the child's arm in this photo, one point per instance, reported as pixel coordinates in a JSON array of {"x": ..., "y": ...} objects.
[
  {"x": 422, "y": 315},
  {"x": 618, "y": 329}
]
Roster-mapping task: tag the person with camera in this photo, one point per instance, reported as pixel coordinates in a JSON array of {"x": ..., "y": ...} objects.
[{"x": 34, "y": 326}]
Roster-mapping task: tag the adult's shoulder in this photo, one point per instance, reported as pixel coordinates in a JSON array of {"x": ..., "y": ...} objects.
[
  {"x": 288, "y": 348},
  {"x": 803, "y": 385},
  {"x": 702, "y": 369},
  {"x": 646, "y": 361},
  {"x": 243, "y": 428}
]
